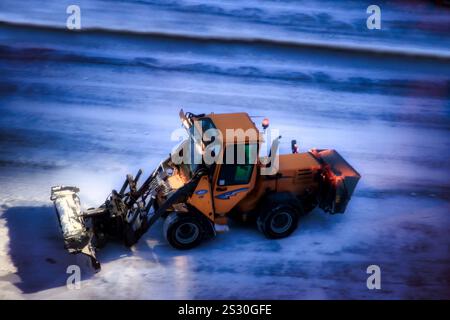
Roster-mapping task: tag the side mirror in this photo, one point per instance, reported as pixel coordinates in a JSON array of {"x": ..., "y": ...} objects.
[{"x": 184, "y": 120}]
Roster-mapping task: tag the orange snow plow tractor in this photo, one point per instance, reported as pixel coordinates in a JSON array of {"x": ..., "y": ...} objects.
[{"x": 219, "y": 171}]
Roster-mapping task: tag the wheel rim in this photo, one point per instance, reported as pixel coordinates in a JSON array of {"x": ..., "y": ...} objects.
[
  {"x": 281, "y": 222},
  {"x": 187, "y": 233}
]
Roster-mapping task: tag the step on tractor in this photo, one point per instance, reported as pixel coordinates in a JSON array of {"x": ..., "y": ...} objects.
[{"x": 219, "y": 171}]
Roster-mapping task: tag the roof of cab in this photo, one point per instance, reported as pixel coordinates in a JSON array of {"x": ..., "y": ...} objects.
[{"x": 240, "y": 120}]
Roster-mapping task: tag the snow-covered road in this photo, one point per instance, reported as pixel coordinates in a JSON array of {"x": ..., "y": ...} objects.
[{"x": 86, "y": 108}]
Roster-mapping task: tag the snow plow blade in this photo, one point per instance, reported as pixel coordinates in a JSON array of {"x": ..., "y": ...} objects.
[
  {"x": 339, "y": 180},
  {"x": 77, "y": 237}
]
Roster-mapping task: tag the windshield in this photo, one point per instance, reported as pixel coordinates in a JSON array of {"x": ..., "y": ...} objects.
[
  {"x": 196, "y": 144},
  {"x": 195, "y": 149}
]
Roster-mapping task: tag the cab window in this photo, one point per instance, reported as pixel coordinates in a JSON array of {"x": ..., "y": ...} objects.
[{"x": 239, "y": 171}]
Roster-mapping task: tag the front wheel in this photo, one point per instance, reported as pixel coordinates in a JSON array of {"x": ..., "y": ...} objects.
[
  {"x": 183, "y": 231},
  {"x": 278, "y": 222}
]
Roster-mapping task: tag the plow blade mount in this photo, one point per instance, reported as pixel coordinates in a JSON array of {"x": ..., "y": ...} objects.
[
  {"x": 125, "y": 215},
  {"x": 339, "y": 180}
]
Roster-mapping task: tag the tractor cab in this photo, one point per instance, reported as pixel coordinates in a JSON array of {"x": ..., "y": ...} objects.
[{"x": 228, "y": 145}]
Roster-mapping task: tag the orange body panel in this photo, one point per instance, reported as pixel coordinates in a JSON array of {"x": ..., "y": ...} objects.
[
  {"x": 297, "y": 173},
  {"x": 226, "y": 198},
  {"x": 201, "y": 198},
  {"x": 262, "y": 186}
]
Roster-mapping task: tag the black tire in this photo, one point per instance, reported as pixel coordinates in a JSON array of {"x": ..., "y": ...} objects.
[
  {"x": 183, "y": 231},
  {"x": 278, "y": 221}
]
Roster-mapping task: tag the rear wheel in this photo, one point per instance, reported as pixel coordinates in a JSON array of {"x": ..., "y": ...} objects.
[
  {"x": 278, "y": 221},
  {"x": 183, "y": 231}
]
